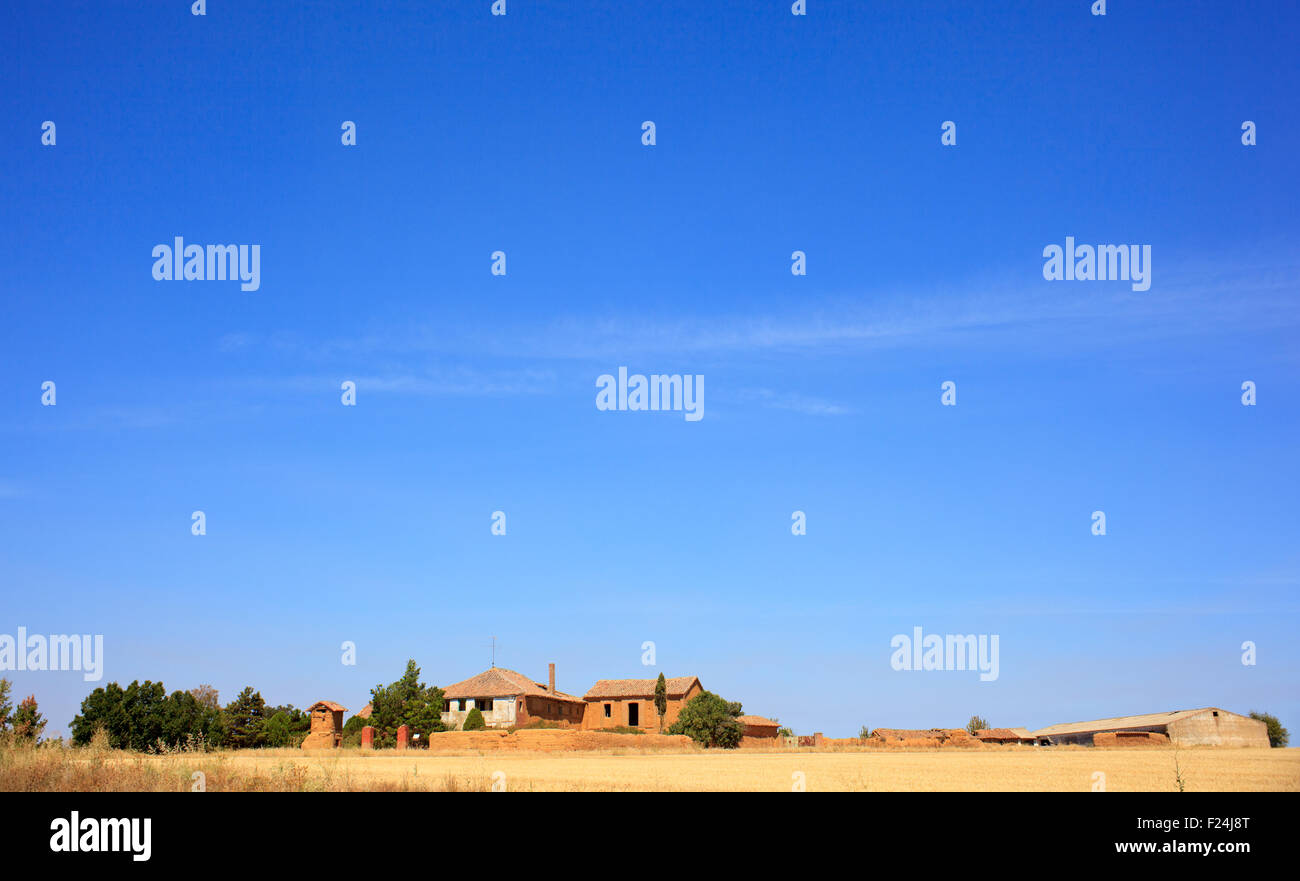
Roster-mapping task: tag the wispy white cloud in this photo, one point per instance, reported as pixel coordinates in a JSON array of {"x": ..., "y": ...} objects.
[
  {"x": 794, "y": 402},
  {"x": 1013, "y": 314},
  {"x": 450, "y": 381}
]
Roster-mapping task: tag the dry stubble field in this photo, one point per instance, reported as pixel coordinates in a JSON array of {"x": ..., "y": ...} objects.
[
  {"x": 1004, "y": 769},
  {"x": 933, "y": 770}
]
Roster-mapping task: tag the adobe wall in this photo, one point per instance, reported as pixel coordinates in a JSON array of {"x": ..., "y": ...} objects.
[
  {"x": 751, "y": 742},
  {"x": 326, "y": 729},
  {"x": 536, "y": 707},
  {"x": 649, "y": 718},
  {"x": 552, "y": 740}
]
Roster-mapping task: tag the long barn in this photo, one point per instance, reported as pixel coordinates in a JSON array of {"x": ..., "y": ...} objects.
[{"x": 1209, "y": 726}]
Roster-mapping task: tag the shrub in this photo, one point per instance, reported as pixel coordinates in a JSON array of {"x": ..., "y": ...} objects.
[
  {"x": 352, "y": 731},
  {"x": 474, "y": 721},
  {"x": 710, "y": 721}
]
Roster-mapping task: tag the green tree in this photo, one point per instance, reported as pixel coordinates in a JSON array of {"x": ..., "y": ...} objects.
[
  {"x": 293, "y": 729},
  {"x": 661, "y": 699},
  {"x": 709, "y": 720},
  {"x": 276, "y": 730},
  {"x": 976, "y": 723},
  {"x": 144, "y": 707},
  {"x": 245, "y": 720},
  {"x": 102, "y": 708},
  {"x": 474, "y": 721},
  {"x": 1277, "y": 735},
  {"x": 187, "y": 722},
  {"x": 27, "y": 720},
  {"x": 6, "y": 706},
  {"x": 409, "y": 702},
  {"x": 142, "y": 715},
  {"x": 864, "y": 732}
]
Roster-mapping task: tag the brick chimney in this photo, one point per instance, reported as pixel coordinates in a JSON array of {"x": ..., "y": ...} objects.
[{"x": 551, "y": 681}]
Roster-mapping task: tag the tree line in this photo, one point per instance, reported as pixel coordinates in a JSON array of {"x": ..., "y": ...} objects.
[{"x": 143, "y": 716}]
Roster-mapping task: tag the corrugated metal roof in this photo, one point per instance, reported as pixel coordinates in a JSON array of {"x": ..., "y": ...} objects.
[{"x": 1121, "y": 722}]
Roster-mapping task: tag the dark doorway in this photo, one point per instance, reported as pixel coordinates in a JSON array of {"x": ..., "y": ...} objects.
[{"x": 634, "y": 714}]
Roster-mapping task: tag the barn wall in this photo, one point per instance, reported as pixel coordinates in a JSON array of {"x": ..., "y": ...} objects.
[
  {"x": 1225, "y": 729},
  {"x": 1085, "y": 738}
]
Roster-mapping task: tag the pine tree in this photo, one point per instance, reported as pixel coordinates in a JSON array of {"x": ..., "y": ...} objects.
[
  {"x": 246, "y": 717},
  {"x": 28, "y": 721},
  {"x": 6, "y": 707},
  {"x": 661, "y": 699}
]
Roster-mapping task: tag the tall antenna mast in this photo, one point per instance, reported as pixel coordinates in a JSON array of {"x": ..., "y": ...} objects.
[{"x": 494, "y": 652}]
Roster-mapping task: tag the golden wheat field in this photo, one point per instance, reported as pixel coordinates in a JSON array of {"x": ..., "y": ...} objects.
[{"x": 1006, "y": 769}]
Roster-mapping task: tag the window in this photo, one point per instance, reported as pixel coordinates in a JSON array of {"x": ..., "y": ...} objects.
[
  {"x": 634, "y": 714},
  {"x": 483, "y": 703},
  {"x": 607, "y": 711}
]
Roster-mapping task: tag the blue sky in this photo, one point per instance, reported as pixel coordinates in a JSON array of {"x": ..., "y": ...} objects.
[{"x": 476, "y": 393}]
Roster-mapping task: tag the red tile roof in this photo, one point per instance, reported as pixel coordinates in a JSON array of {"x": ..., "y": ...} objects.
[
  {"x": 758, "y": 721},
  {"x": 329, "y": 705},
  {"x": 500, "y": 682},
  {"x": 605, "y": 688},
  {"x": 1003, "y": 734},
  {"x": 365, "y": 711}
]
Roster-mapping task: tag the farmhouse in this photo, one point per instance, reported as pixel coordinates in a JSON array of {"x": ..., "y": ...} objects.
[
  {"x": 506, "y": 698},
  {"x": 612, "y": 703},
  {"x": 1209, "y": 726}
]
